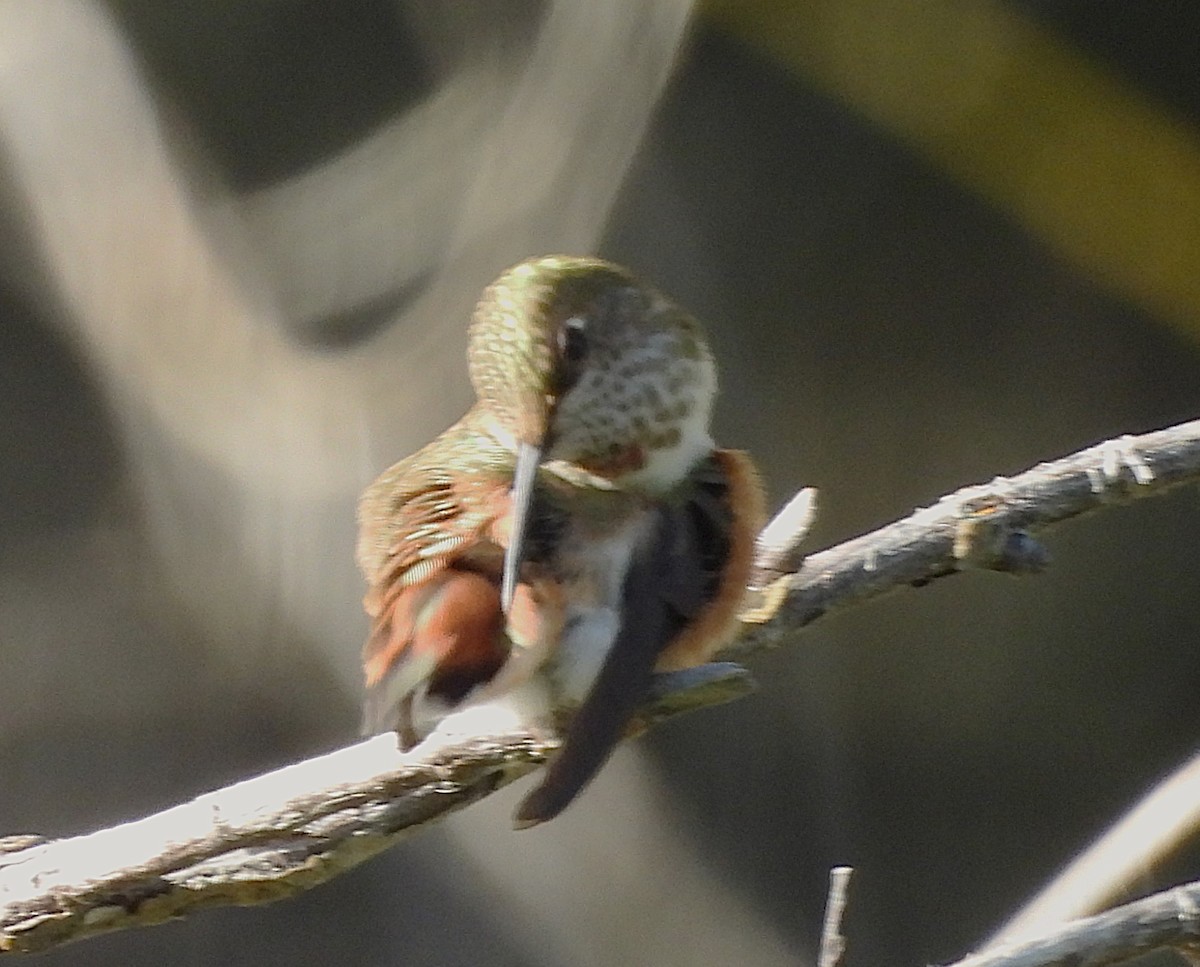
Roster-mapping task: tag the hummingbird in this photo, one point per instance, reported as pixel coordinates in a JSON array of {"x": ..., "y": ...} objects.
[{"x": 574, "y": 533}]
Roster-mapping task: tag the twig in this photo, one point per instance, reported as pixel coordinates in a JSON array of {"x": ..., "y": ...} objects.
[
  {"x": 1165, "y": 920},
  {"x": 986, "y": 526},
  {"x": 1167, "y": 816},
  {"x": 777, "y": 549},
  {"x": 833, "y": 944},
  {"x": 286, "y": 831}
]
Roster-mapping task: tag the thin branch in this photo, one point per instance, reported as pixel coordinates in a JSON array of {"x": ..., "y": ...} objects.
[
  {"x": 1170, "y": 919},
  {"x": 985, "y": 526},
  {"x": 1163, "y": 819},
  {"x": 833, "y": 944},
  {"x": 286, "y": 831}
]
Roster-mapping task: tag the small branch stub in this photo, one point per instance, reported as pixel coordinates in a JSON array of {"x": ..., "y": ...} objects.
[
  {"x": 833, "y": 944},
  {"x": 777, "y": 548},
  {"x": 985, "y": 538}
]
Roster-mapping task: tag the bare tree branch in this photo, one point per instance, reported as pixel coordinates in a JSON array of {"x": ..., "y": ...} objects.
[
  {"x": 279, "y": 833},
  {"x": 1170, "y": 919},
  {"x": 984, "y": 526},
  {"x": 286, "y": 831},
  {"x": 1162, "y": 820}
]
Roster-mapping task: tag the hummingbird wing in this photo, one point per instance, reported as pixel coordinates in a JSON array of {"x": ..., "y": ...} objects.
[
  {"x": 428, "y": 548},
  {"x": 679, "y": 601},
  {"x": 728, "y": 508}
]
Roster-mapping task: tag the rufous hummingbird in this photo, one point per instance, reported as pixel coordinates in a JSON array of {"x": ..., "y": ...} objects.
[{"x": 574, "y": 532}]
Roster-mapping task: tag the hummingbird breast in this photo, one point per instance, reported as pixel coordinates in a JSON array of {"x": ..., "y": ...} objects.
[{"x": 581, "y": 541}]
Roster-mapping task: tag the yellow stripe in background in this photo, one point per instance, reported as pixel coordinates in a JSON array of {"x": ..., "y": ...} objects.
[{"x": 1106, "y": 176}]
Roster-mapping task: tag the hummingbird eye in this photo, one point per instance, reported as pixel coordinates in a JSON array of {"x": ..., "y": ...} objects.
[{"x": 573, "y": 341}]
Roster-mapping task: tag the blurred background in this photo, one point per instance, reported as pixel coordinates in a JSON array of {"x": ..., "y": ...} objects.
[{"x": 239, "y": 243}]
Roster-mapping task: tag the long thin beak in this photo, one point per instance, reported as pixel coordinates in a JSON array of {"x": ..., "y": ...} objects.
[{"x": 529, "y": 458}]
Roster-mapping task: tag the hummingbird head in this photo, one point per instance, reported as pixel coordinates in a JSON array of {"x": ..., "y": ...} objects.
[{"x": 574, "y": 360}]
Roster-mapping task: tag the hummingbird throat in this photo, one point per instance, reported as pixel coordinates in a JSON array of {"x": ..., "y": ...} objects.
[{"x": 614, "y": 464}]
